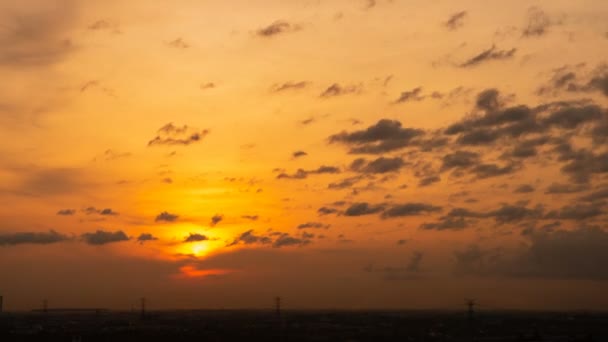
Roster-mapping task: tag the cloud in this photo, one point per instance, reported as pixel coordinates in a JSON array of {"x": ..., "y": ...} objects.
[
  {"x": 599, "y": 194},
  {"x": 430, "y": 180},
  {"x": 410, "y": 209},
  {"x": 37, "y": 238},
  {"x": 251, "y": 217},
  {"x": 385, "y": 136},
  {"x": 178, "y": 43},
  {"x": 208, "y": 85},
  {"x": 537, "y": 23},
  {"x": 313, "y": 225},
  {"x": 104, "y": 25},
  {"x": 459, "y": 159},
  {"x": 415, "y": 261},
  {"x": 558, "y": 188},
  {"x": 303, "y": 174},
  {"x": 101, "y": 237},
  {"x": 488, "y": 55},
  {"x": 216, "y": 219},
  {"x": 195, "y": 237},
  {"x": 514, "y": 213},
  {"x": 66, "y": 212},
  {"x": 102, "y": 212},
  {"x": 577, "y": 212},
  {"x": 298, "y": 154},
  {"x": 447, "y": 223},
  {"x": 327, "y": 211},
  {"x": 339, "y": 90},
  {"x": 456, "y": 21},
  {"x": 581, "y": 253},
  {"x": 286, "y": 240},
  {"x": 166, "y": 217},
  {"x": 410, "y": 96},
  {"x": 344, "y": 183},
  {"x": 493, "y": 170},
  {"x": 277, "y": 28},
  {"x": 145, "y": 237},
  {"x": 524, "y": 189},
  {"x": 287, "y": 86},
  {"x": 363, "y": 208},
  {"x": 249, "y": 238},
  {"x": 377, "y": 166},
  {"x": 50, "y": 182},
  {"x": 170, "y": 134},
  {"x": 36, "y": 34}
]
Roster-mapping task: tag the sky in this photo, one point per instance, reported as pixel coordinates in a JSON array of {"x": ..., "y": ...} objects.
[{"x": 343, "y": 154}]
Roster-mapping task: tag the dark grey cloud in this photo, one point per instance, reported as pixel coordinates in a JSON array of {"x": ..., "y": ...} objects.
[
  {"x": 410, "y": 209},
  {"x": 216, "y": 219},
  {"x": 166, "y": 217},
  {"x": 66, "y": 212},
  {"x": 344, "y": 183},
  {"x": 37, "y": 238},
  {"x": 456, "y": 21},
  {"x": 379, "y": 165},
  {"x": 286, "y": 240},
  {"x": 597, "y": 195},
  {"x": 303, "y": 174},
  {"x": 102, "y": 237},
  {"x": 430, "y": 180},
  {"x": 537, "y": 23},
  {"x": 363, "y": 208},
  {"x": 524, "y": 189},
  {"x": 482, "y": 171},
  {"x": 413, "y": 95},
  {"x": 507, "y": 213},
  {"x": 488, "y": 100},
  {"x": 339, "y": 90},
  {"x": 559, "y": 188},
  {"x": 585, "y": 164},
  {"x": 249, "y": 238},
  {"x": 459, "y": 159},
  {"x": 170, "y": 135},
  {"x": 251, "y": 217},
  {"x": 327, "y": 211},
  {"x": 298, "y": 154},
  {"x": 313, "y": 225},
  {"x": 514, "y": 213},
  {"x": 488, "y": 55},
  {"x": 577, "y": 212},
  {"x": 447, "y": 223},
  {"x": 278, "y": 88},
  {"x": 385, "y": 136},
  {"x": 195, "y": 237},
  {"x": 277, "y": 28},
  {"x": 102, "y": 212},
  {"x": 145, "y": 237}
]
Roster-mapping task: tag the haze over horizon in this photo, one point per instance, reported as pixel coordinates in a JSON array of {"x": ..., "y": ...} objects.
[{"x": 341, "y": 154}]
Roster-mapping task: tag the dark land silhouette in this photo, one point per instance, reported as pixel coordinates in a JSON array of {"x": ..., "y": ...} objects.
[{"x": 300, "y": 325}]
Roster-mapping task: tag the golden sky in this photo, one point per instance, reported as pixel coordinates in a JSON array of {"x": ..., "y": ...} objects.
[{"x": 340, "y": 154}]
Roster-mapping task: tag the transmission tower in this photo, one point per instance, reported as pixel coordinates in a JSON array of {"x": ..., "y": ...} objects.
[
  {"x": 277, "y": 302},
  {"x": 143, "y": 307}
]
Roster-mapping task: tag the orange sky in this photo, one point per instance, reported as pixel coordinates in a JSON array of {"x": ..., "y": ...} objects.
[{"x": 341, "y": 154}]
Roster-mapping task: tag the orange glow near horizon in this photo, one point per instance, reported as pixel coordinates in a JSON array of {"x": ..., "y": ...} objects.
[{"x": 193, "y": 272}]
